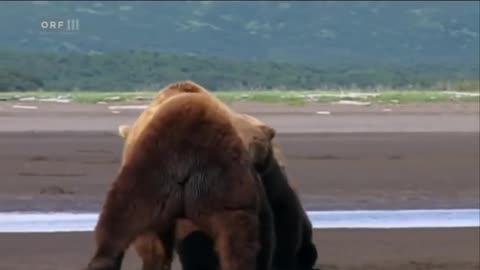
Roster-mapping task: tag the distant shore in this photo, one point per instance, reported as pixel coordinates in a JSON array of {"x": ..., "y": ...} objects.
[{"x": 348, "y": 96}]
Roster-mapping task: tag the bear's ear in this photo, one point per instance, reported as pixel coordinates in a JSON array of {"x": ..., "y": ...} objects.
[
  {"x": 268, "y": 131},
  {"x": 123, "y": 131}
]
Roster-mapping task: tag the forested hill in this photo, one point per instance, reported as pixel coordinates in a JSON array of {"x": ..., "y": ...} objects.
[{"x": 317, "y": 32}]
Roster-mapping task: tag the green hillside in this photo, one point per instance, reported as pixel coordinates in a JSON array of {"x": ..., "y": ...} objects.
[
  {"x": 151, "y": 70},
  {"x": 317, "y": 32}
]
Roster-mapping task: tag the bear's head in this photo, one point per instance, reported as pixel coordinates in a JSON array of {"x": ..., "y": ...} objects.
[{"x": 256, "y": 136}]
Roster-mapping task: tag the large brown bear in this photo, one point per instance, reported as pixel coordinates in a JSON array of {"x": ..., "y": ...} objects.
[
  {"x": 294, "y": 249},
  {"x": 184, "y": 158},
  {"x": 294, "y": 246},
  {"x": 194, "y": 247}
]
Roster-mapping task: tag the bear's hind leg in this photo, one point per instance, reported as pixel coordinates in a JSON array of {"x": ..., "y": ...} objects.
[
  {"x": 195, "y": 248},
  {"x": 236, "y": 239},
  {"x": 122, "y": 219},
  {"x": 102, "y": 262},
  {"x": 196, "y": 252},
  {"x": 156, "y": 250}
]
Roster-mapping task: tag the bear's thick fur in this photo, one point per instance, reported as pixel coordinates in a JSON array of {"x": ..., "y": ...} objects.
[
  {"x": 294, "y": 245},
  {"x": 294, "y": 248},
  {"x": 256, "y": 135},
  {"x": 184, "y": 159}
]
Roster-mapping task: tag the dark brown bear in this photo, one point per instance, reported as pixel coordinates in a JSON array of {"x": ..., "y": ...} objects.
[
  {"x": 184, "y": 159},
  {"x": 295, "y": 248},
  {"x": 294, "y": 244}
]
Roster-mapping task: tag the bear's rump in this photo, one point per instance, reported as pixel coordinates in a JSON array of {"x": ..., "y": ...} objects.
[{"x": 217, "y": 190}]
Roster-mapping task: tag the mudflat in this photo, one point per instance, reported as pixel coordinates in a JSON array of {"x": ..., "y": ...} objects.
[
  {"x": 73, "y": 170},
  {"x": 410, "y": 249},
  {"x": 64, "y": 157}
]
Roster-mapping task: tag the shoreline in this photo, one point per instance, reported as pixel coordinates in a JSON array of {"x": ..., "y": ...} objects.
[{"x": 52, "y": 222}]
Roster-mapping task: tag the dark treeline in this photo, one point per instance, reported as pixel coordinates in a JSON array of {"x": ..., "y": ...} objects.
[{"x": 149, "y": 70}]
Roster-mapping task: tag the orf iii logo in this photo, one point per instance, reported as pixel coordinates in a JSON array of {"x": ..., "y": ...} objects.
[{"x": 61, "y": 25}]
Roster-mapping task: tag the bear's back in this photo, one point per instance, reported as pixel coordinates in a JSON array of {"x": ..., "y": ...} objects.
[{"x": 184, "y": 119}]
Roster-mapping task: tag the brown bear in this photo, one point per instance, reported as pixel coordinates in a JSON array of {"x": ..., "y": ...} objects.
[
  {"x": 185, "y": 159},
  {"x": 195, "y": 248},
  {"x": 294, "y": 249},
  {"x": 256, "y": 135}
]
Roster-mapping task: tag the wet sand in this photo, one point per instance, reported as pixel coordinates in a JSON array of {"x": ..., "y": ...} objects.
[
  {"x": 56, "y": 158},
  {"x": 450, "y": 249},
  {"x": 454, "y": 117},
  {"x": 73, "y": 170}
]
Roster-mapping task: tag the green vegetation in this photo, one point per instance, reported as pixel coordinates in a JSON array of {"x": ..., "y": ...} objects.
[
  {"x": 407, "y": 51},
  {"x": 124, "y": 71},
  {"x": 311, "y": 45},
  {"x": 265, "y": 96}
]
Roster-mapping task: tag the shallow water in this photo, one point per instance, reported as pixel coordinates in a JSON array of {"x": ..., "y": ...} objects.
[{"x": 23, "y": 222}]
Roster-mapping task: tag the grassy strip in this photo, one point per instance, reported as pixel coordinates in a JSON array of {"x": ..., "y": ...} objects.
[{"x": 273, "y": 96}]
